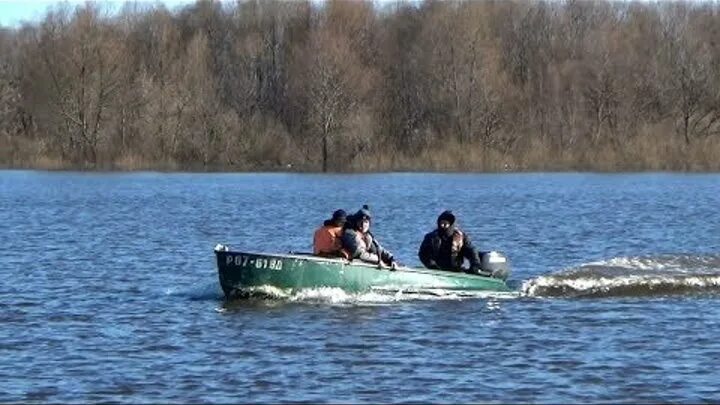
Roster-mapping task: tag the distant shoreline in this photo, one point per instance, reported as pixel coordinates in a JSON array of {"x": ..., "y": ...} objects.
[
  {"x": 279, "y": 170},
  {"x": 355, "y": 87}
]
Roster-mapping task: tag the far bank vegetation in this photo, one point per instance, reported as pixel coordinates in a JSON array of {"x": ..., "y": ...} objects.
[{"x": 352, "y": 86}]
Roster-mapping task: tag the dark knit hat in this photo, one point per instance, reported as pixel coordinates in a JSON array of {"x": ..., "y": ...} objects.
[
  {"x": 446, "y": 216},
  {"x": 363, "y": 212},
  {"x": 355, "y": 219},
  {"x": 339, "y": 216}
]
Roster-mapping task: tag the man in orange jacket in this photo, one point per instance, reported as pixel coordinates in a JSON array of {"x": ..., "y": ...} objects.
[{"x": 326, "y": 241}]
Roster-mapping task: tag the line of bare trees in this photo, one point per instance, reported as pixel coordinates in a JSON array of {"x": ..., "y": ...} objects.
[{"x": 344, "y": 85}]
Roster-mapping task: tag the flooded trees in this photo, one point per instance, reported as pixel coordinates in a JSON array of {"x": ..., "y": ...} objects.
[
  {"x": 330, "y": 87},
  {"x": 339, "y": 85},
  {"x": 76, "y": 71}
]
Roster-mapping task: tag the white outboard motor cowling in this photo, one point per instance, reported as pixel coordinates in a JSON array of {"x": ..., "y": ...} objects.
[{"x": 495, "y": 264}]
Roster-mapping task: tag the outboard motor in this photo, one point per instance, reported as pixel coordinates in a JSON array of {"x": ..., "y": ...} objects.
[{"x": 494, "y": 264}]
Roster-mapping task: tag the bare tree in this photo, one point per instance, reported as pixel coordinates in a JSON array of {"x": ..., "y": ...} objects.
[
  {"x": 690, "y": 77},
  {"x": 332, "y": 85},
  {"x": 81, "y": 60}
]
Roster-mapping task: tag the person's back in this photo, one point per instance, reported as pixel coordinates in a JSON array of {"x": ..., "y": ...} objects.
[
  {"x": 446, "y": 247},
  {"x": 326, "y": 240}
]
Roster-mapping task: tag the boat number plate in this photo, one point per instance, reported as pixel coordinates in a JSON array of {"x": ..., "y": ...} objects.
[{"x": 257, "y": 262}]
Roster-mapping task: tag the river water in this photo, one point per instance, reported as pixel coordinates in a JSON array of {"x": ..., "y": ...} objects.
[{"x": 109, "y": 290}]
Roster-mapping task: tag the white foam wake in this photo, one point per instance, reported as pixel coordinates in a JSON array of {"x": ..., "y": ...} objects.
[
  {"x": 379, "y": 296},
  {"x": 631, "y": 276}
]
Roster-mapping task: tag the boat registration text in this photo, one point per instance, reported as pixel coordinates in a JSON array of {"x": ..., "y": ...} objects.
[{"x": 257, "y": 262}]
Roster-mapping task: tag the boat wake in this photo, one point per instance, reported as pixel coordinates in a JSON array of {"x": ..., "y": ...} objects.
[
  {"x": 632, "y": 277},
  {"x": 379, "y": 296}
]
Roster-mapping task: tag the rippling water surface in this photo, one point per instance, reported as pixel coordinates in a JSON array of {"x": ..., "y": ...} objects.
[{"x": 109, "y": 290}]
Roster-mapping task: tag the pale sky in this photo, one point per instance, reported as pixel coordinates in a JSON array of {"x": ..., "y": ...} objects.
[{"x": 14, "y": 12}]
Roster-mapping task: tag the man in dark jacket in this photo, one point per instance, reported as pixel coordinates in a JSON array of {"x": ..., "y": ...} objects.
[{"x": 446, "y": 247}]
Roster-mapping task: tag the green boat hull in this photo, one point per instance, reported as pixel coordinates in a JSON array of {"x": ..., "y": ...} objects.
[{"x": 243, "y": 270}]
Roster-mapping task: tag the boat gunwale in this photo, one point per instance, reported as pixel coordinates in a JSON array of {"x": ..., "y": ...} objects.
[{"x": 311, "y": 257}]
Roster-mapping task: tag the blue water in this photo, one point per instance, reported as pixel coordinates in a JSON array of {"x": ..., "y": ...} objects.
[{"x": 109, "y": 290}]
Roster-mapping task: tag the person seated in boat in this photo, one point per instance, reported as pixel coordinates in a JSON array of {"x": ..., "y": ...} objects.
[
  {"x": 446, "y": 247},
  {"x": 326, "y": 240},
  {"x": 359, "y": 243}
]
